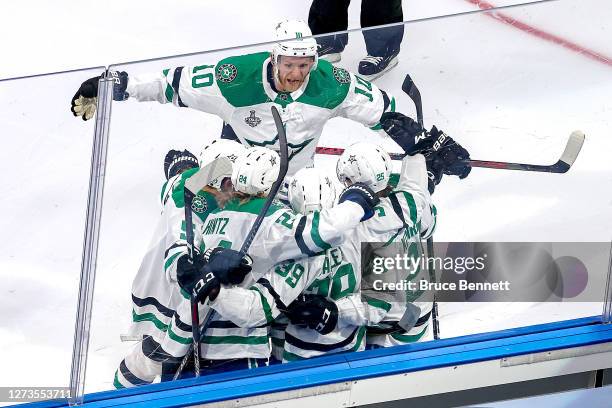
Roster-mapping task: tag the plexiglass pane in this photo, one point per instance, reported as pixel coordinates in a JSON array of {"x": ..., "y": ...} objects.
[
  {"x": 508, "y": 86},
  {"x": 45, "y": 162}
]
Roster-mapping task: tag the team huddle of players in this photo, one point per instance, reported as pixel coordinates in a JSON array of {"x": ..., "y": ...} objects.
[{"x": 300, "y": 292}]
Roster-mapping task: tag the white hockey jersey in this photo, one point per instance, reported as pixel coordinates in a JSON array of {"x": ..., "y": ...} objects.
[{"x": 237, "y": 89}]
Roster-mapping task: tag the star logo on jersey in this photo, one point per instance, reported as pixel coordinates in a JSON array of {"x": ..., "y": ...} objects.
[
  {"x": 252, "y": 120},
  {"x": 273, "y": 160},
  {"x": 232, "y": 158},
  {"x": 352, "y": 159},
  {"x": 199, "y": 205},
  {"x": 328, "y": 182},
  {"x": 342, "y": 75},
  {"x": 294, "y": 184},
  {"x": 226, "y": 73}
]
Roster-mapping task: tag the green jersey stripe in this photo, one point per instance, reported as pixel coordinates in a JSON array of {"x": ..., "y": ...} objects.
[
  {"x": 177, "y": 338},
  {"x": 380, "y": 304},
  {"x": 315, "y": 235},
  {"x": 116, "y": 382},
  {"x": 170, "y": 260},
  {"x": 410, "y": 338},
  {"x": 412, "y": 206},
  {"x": 292, "y": 357},
  {"x": 266, "y": 306},
  {"x": 252, "y": 340},
  {"x": 149, "y": 317},
  {"x": 360, "y": 336}
]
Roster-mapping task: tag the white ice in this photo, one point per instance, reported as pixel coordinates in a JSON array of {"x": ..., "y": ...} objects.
[{"x": 503, "y": 93}]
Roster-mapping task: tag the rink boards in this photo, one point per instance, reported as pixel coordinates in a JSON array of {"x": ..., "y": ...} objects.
[{"x": 413, "y": 371}]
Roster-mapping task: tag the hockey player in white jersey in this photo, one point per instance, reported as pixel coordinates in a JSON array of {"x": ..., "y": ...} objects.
[
  {"x": 283, "y": 234},
  {"x": 156, "y": 295},
  {"x": 241, "y": 90},
  {"x": 328, "y": 272}
]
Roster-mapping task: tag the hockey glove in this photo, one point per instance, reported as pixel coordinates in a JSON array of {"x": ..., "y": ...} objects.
[
  {"x": 193, "y": 279},
  {"x": 363, "y": 195},
  {"x": 227, "y": 265},
  {"x": 177, "y": 162},
  {"x": 315, "y": 312},
  {"x": 84, "y": 101},
  {"x": 403, "y": 130},
  {"x": 446, "y": 153}
]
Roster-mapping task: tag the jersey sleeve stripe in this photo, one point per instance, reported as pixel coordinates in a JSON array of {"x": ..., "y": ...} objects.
[
  {"x": 299, "y": 238},
  {"x": 412, "y": 206},
  {"x": 176, "y": 80},
  {"x": 315, "y": 235},
  {"x": 169, "y": 91},
  {"x": 264, "y": 303},
  {"x": 380, "y": 304},
  {"x": 294, "y": 341},
  {"x": 170, "y": 260}
]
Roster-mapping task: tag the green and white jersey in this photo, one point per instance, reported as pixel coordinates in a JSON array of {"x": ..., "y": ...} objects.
[
  {"x": 406, "y": 216},
  {"x": 328, "y": 274},
  {"x": 237, "y": 90},
  {"x": 283, "y": 235},
  {"x": 155, "y": 292}
]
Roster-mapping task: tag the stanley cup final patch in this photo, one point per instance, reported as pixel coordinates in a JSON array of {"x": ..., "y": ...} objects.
[
  {"x": 342, "y": 75},
  {"x": 252, "y": 120},
  {"x": 226, "y": 72},
  {"x": 199, "y": 205}
]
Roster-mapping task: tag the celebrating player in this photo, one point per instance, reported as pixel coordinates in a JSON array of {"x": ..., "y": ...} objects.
[{"x": 241, "y": 89}]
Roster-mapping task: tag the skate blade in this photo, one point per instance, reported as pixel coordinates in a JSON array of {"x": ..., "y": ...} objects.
[
  {"x": 332, "y": 58},
  {"x": 392, "y": 64}
]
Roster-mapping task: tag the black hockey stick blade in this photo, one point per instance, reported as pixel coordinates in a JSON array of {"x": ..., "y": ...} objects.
[
  {"x": 284, "y": 165},
  {"x": 413, "y": 92}
]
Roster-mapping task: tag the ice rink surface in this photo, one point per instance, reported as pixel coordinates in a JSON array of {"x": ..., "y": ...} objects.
[{"x": 502, "y": 90}]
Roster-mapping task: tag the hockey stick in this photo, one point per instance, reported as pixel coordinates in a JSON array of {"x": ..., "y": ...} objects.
[
  {"x": 569, "y": 155},
  {"x": 193, "y": 185},
  {"x": 410, "y": 88},
  {"x": 284, "y": 165}
]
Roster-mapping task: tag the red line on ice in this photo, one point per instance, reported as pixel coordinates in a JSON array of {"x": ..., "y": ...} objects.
[{"x": 483, "y": 5}]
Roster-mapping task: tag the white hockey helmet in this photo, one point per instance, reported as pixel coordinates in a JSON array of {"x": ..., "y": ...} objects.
[
  {"x": 291, "y": 42},
  {"x": 311, "y": 190},
  {"x": 220, "y": 148},
  {"x": 255, "y": 170},
  {"x": 366, "y": 163}
]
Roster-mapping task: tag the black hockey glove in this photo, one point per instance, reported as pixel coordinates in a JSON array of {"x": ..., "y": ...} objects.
[
  {"x": 193, "y": 279},
  {"x": 363, "y": 195},
  {"x": 177, "y": 162},
  {"x": 402, "y": 129},
  {"x": 443, "y": 156},
  {"x": 315, "y": 312},
  {"x": 84, "y": 101},
  {"x": 227, "y": 265}
]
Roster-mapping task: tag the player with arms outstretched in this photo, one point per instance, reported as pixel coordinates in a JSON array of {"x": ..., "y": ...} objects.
[{"x": 241, "y": 89}]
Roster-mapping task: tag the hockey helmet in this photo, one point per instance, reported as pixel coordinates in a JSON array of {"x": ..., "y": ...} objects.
[
  {"x": 311, "y": 190},
  {"x": 220, "y": 148},
  {"x": 366, "y": 163},
  {"x": 294, "y": 39},
  {"x": 255, "y": 170}
]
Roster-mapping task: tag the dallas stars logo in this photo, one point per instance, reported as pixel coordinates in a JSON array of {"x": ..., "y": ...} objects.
[
  {"x": 328, "y": 182},
  {"x": 199, "y": 205},
  {"x": 232, "y": 158},
  {"x": 352, "y": 159},
  {"x": 342, "y": 75},
  {"x": 273, "y": 160},
  {"x": 252, "y": 120},
  {"x": 294, "y": 184},
  {"x": 226, "y": 73}
]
